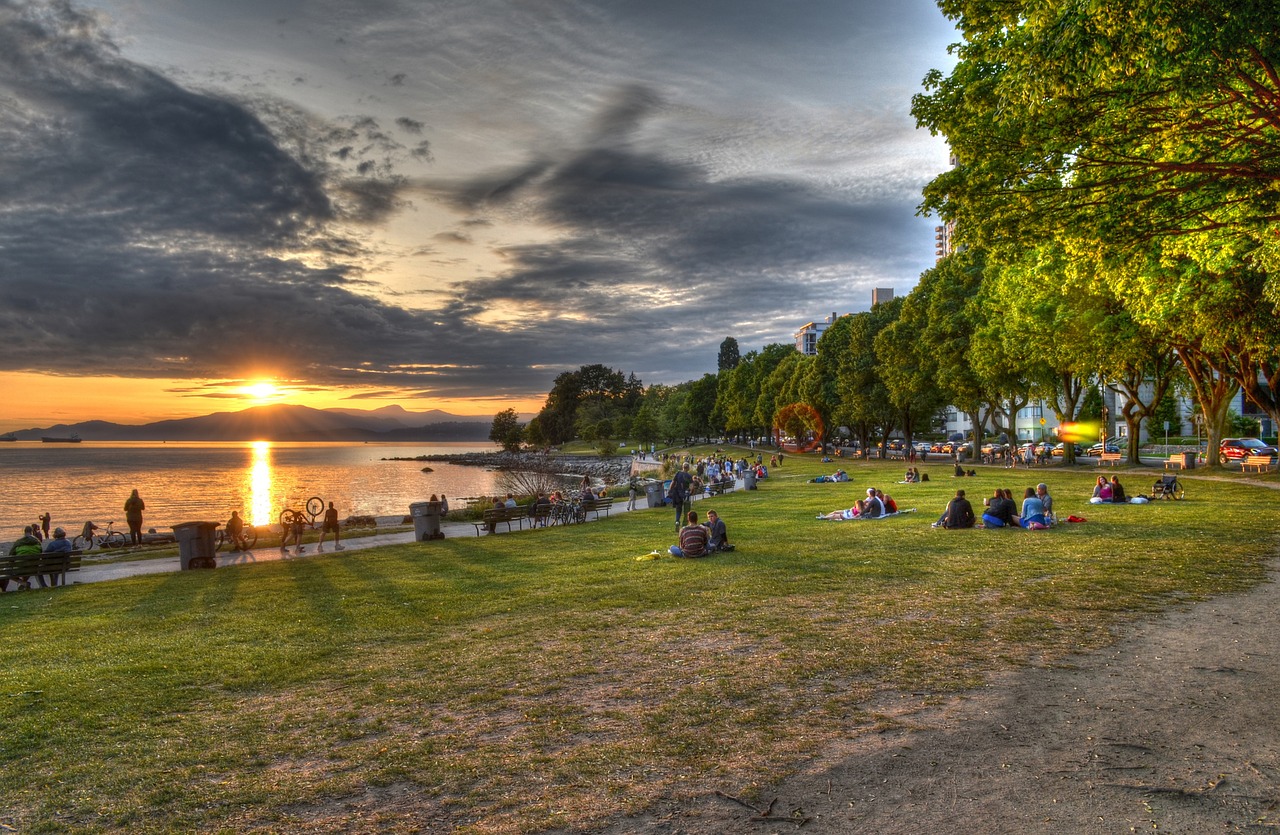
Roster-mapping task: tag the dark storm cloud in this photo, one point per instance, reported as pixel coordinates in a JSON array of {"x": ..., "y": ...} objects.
[
  {"x": 654, "y": 245},
  {"x": 149, "y": 229},
  {"x": 153, "y": 228}
]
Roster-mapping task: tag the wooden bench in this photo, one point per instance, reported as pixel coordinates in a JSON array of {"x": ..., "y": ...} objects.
[
  {"x": 598, "y": 505},
  {"x": 1111, "y": 458},
  {"x": 495, "y": 516},
  {"x": 1173, "y": 462},
  {"x": 719, "y": 488},
  {"x": 53, "y": 566},
  {"x": 1262, "y": 463}
]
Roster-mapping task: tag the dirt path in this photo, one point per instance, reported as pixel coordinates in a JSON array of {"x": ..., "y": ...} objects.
[{"x": 1176, "y": 729}]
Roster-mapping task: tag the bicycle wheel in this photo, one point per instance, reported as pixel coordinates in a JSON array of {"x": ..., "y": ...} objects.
[
  {"x": 219, "y": 539},
  {"x": 315, "y": 507},
  {"x": 250, "y": 537},
  {"x": 113, "y": 539},
  {"x": 82, "y": 544},
  {"x": 287, "y": 518}
]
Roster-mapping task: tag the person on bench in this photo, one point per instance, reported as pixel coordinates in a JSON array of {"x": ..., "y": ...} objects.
[
  {"x": 59, "y": 543},
  {"x": 25, "y": 546}
]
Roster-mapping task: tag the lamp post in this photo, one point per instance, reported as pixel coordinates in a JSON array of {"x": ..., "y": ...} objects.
[{"x": 1105, "y": 413}]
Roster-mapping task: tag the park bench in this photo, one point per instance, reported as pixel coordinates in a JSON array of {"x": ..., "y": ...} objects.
[
  {"x": 1262, "y": 463},
  {"x": 1111, "y": 458},
  {"x": 46, "y": 568},
  {"x": 1174, "y": 462},
  {"x": 495, "y": 516},
  {"x": 597, "y": 505},
  {"x": 719, "y": 488}
]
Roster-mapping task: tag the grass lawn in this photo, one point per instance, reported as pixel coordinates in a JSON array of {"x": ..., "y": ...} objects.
[{"x": 548, "y": 679}]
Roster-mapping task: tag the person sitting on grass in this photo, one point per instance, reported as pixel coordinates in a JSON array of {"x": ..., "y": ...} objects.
[
  {"x": 717, "y": 534},
  {"x": 1042, "y": 490},
  {"x": 887, "y": 502},
  {"x": 1117, "y": 492},
  {"x": 854, "y": 512},
  {"x": 959, "y": 513},
  {"x": 693, "y": 538},
  {"x": 1033, "y": 517},
  {"x": 999, "y": 512}
]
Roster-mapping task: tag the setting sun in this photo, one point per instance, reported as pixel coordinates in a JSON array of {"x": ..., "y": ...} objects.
[{"x": 262, "y": 390}]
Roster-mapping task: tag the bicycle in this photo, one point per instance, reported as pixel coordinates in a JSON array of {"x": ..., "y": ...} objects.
[
  {"x": 111, "y": 538},
  {"x": 247, "y": 539},
  {"x": 313, "y": 509}
]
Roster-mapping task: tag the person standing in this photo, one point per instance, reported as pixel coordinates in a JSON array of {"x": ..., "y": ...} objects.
[
  {"x": 45, "y": 519},
  {"x": 133, "y": 507},
  {"x": 681, "y": 484},
  {"x": 330, "y": 525}
]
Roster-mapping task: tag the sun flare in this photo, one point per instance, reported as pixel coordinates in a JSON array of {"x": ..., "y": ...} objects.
[{"x": 263, "y": 390}]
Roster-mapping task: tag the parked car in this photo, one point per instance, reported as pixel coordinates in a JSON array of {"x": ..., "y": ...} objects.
[
  {"x": 1059, "y": 449},
  {"x": 1235, "y": 449},
  {"x": 923, "y": 446},
  {"x": 1097, "y": 449}
]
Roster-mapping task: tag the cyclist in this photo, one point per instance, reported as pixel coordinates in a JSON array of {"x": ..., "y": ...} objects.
[{"x": 235, "y": 532}]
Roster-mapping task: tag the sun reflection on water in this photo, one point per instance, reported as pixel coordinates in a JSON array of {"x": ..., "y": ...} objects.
[{"x": 260, "y": 499}]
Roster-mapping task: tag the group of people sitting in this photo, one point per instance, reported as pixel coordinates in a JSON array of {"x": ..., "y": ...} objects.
[
  {"x": 698, "y": 540},
  {"x": 913, "y": 476},
  {"x": 29, "y": 544},
  {"x": 1108, "y": 492},
  {"x": 875, "y": 505},
  {"x": 838, "y": 477},
  {"x": 1001, "y": 511}
]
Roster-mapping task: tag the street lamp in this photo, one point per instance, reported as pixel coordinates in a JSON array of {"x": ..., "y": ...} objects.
[{"x": 1105, "y": 413}]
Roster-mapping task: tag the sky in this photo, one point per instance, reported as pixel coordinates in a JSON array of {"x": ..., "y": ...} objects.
[{"x": 212, "y": 204}]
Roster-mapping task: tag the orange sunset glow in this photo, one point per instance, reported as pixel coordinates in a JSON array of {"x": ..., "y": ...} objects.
[{"x": 43, "y": 400}]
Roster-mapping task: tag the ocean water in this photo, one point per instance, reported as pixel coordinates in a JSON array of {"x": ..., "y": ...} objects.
[{"x": 184, "y": 482}]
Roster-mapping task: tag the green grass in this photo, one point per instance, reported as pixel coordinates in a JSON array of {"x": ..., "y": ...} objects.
[{"x": 548, "y": 679}]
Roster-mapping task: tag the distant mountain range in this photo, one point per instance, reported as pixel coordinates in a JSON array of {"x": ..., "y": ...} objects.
[{"x": 284, "y": 423}]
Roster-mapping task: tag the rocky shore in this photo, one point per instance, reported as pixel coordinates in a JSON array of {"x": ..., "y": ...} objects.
[{"x": 610, "y": 470}]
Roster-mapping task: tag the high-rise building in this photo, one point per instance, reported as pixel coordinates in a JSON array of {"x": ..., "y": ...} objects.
[
  {"x": 807, "y": 336},
  {"x": 879, "y": 295}
]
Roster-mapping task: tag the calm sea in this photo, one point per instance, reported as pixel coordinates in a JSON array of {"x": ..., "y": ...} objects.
[{"x": 183, "y": 482}]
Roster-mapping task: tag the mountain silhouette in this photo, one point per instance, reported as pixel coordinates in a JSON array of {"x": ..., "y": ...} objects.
[{"x": 284, "y": 423}]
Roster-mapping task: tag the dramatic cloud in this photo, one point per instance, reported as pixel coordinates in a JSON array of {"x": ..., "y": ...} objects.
[{"x": 459, "y": 199}]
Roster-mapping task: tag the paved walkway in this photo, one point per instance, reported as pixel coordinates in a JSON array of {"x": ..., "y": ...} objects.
[{"x": 114, "y": 571}]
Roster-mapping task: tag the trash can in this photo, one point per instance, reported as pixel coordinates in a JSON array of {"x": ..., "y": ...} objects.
[
  {"x": 749, "y": 479},
  {"x": 196, "y": 545},
  {"x": 1188, "y": 460},
  {"x": 426, "y": 521},
  {"x": 653, "y": 494}
]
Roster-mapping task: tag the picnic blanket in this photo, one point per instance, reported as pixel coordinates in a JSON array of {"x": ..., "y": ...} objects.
[{"x": 898, "y": 512}]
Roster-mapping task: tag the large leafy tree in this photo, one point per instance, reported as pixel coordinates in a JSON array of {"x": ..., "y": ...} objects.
[
  {"x": 1120, "y": 122},
  {"x": 597, "y": 392},
  {"x": 506, "y": 430}
]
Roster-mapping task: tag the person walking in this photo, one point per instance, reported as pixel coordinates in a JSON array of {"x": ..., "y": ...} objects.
[
  {"x": 133, "y": 507},
  {"x": 681, "y": 485},
  {"x": 330, "y": 525}
]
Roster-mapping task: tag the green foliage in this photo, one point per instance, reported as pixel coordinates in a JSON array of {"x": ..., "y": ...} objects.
[
  {"x": 506, "y": 430},
  {"x": 729, "y": 356}
]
